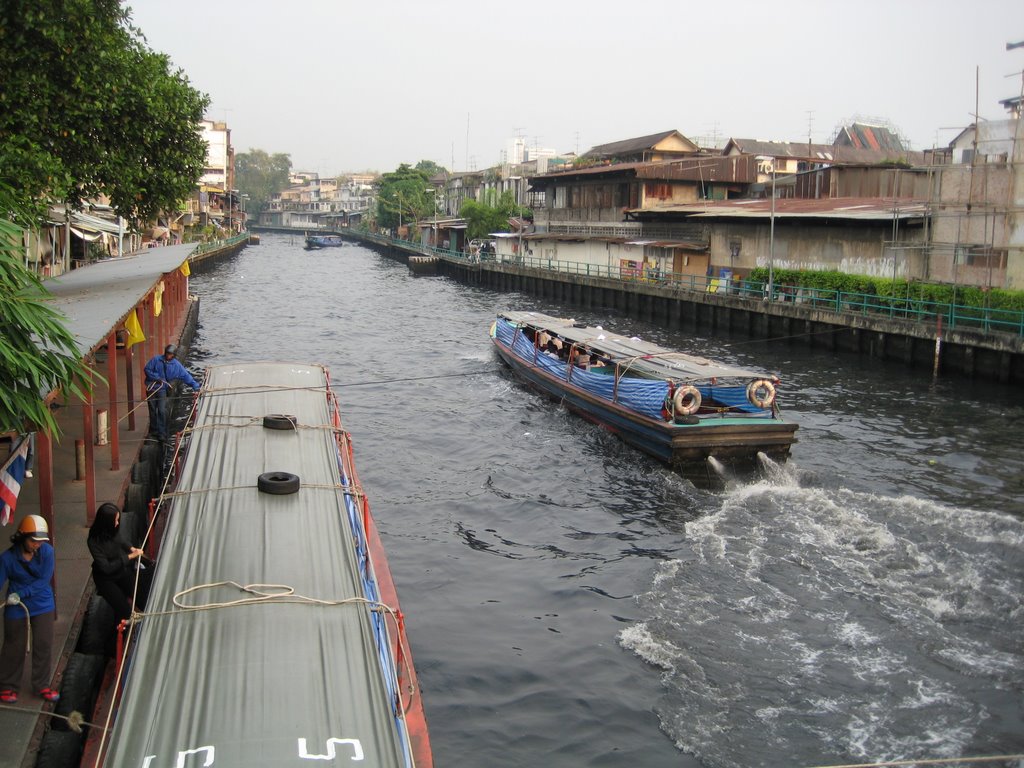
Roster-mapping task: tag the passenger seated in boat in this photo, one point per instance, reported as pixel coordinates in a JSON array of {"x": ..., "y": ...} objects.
[
  {"x": 580, "y": 358},
  {"x": 551, "y": 350}
]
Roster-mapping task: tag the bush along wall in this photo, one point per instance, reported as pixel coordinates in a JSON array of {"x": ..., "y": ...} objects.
[{"x": 899, "y": 292}]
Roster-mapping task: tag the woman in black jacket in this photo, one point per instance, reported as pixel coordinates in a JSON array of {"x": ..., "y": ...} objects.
[{"x": 115, "y": 563}]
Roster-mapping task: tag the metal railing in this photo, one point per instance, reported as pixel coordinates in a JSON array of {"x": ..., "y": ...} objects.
[
  {"x": 921, "y": 311},
  {"x": 214, "y": 245}
]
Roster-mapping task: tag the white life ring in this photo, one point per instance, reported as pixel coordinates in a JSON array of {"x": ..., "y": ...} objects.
[
  {"x": 761, "y": 393},
  {"x": 686, "y": 400}
]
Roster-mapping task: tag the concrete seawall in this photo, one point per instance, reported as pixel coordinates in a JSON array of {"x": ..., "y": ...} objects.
[{"x": 922, "y": 346}]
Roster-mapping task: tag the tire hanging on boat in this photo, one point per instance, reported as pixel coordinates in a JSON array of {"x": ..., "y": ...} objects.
[
  {"x": 686, "y": 400},
  {"x": 282, "y": 421},
  {"x": 761, "y": 393}
]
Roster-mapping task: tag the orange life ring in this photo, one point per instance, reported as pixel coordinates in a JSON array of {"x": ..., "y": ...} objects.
[
  {"x": 686, "y": 400},
  {"x": 761, "y": 393}
]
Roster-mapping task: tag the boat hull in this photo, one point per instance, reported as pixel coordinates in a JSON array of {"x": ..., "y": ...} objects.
[{"x": 734, "y": 441}]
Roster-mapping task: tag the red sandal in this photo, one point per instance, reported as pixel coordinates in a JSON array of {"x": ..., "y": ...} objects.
[
  {"x": 7, "y": 696},
  {"x": 49, "y": 694}
]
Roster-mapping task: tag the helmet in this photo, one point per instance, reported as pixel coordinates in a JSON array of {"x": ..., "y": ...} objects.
[
  {"x": 171, "y": 350},
  {"x": 34, "y": 527}
]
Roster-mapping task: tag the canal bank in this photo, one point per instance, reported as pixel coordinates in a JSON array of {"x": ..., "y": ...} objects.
[{"x": 925, "y": 344}]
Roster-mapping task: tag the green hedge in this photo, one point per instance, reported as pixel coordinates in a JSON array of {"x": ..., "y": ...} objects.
[{"x": 899, "y": 291}]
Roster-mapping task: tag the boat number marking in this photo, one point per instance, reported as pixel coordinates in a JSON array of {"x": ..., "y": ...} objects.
[
  {"x": 183, "y": 754},
  {"x": 209, "y": 753},
  {"x": 357, "y": 749}
]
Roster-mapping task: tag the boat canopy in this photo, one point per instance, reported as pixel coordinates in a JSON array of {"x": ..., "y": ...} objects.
[{"x": 640, "y": 357}]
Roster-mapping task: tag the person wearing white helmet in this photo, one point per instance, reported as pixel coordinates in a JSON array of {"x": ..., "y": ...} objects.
[{"x": 27, "y": 568}]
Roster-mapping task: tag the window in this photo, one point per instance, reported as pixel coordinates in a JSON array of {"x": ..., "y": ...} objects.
[
  {"x": 983, "y": 256},
  {"x": 658, "y": 190}
]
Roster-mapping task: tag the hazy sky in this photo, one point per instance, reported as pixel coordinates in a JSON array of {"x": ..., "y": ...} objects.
[{"x": 349, "y": 86}]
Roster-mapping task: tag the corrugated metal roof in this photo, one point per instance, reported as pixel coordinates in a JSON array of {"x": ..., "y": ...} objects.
[
  {"x": 826, "y": 153},
  {"x": 864, "y": 209},
  {"x": 96, "y": 298},
  {"x": 637, "y": 144},
  {"x": 260, "y": 684},
  {"x": 868, "y": 136},
  {"x": 706, "y": 168},
  {"x": 688, "y": 245},
  {"x": 592, "y": 170},
  {"x": 572, "y": 237},
  {"x": 644, "y": 356}
]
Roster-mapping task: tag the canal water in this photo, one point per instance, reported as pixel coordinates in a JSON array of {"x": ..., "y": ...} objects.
[{"x": 572, "y": 603}]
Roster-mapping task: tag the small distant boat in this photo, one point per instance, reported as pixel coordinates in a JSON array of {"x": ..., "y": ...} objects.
[
  {"x": 687, "y": 411},
  {"x": 314, "y": 242}
]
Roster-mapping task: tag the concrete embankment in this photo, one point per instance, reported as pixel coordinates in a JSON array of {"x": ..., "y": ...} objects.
[
  {"x": 922, "y": 345},
  {"x": 207, "y": 254}
]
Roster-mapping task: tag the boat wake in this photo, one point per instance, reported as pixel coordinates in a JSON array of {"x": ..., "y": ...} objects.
[{"x": 806, "y": 626}]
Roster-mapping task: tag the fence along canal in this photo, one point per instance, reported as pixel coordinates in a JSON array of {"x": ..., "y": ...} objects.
[{"x": 929, "y": 336}]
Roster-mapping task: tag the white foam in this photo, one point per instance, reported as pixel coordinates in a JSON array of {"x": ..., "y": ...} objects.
[{"x": 660, "y": 653}]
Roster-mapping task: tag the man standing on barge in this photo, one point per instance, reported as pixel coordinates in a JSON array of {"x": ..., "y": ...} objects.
[{"x": 161, "y": 371}]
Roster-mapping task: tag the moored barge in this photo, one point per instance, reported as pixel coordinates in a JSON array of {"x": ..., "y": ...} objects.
[{"x": 273, "y": 635}]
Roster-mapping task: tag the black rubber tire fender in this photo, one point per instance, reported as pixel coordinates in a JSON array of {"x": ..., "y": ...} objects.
[
  {"x": 136, "y": 499},
  {"x": 99, "y": 628},
  {"x": 79, "y": 687},
  {"x": 280, "y": 421},
  {"x": 129, "y": 528},
  {"x": 135, "y": 515},
  {"x": 60, "y": 749},
  {"x": 153, "y": 453},
  {"x": 278, "y": 483},
  {"x": 142, "y": 473}
]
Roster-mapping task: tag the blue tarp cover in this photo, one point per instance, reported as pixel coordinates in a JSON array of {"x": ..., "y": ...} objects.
[{"x": 646, "y": 396}]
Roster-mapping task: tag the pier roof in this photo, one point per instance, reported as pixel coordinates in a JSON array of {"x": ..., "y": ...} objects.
[{"x": 96, "y": 298}]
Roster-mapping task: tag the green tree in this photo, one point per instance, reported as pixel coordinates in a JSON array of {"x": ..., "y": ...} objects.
[
  {"x": 86, "y": 108},
  {"x": 403, "y": 197},
  {"x": 430, "y": 168},
  {"x": 491, "y": 214},
  {"x": 37, "y": 352},
  {"x": 259, "y": 175}
]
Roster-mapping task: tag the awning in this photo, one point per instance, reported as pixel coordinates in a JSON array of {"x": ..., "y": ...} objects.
[
  {"x": 91, "y": 223},
  {"x": 688, "y": 245},
  {"x": 89, "y": 236}
]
